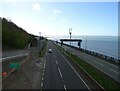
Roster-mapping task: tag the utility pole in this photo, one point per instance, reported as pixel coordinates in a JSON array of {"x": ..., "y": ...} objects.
[{"x": 70, "y": 32}]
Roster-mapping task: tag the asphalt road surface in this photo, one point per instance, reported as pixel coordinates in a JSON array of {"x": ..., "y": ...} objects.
[
  {"x": 110, "y": 69},
  {"x": 7, "y": 55},
  {"x": 59, "y": 74},
  {"x": 28, "y": 76},
  {"x": 54, "y": 71}
]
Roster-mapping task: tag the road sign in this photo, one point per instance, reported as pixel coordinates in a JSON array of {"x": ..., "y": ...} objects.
[{"x": 14, "y": 65}]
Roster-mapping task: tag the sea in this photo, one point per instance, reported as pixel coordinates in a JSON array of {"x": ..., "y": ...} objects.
[{"x": 107, "y": 45}]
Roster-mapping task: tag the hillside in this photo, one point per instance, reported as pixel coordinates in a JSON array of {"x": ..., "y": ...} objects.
[{"x": 14, "y": 36}]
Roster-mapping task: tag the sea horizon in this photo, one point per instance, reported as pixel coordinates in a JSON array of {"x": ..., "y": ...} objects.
[{"x": 107, "y": 45}]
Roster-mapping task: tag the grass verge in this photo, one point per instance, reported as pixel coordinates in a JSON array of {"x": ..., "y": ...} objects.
[
  {"x": 97, "y": 75},
  {"x": 41, "y": 53}
]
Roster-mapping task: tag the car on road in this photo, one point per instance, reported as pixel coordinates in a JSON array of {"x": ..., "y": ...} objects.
[{"x": 50, "y": 50}]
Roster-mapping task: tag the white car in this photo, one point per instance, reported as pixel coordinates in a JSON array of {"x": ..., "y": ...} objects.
[{"x": 50, "y": 51}]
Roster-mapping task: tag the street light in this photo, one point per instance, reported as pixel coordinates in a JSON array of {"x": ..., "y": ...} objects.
[{"x": 70, "y": 32}]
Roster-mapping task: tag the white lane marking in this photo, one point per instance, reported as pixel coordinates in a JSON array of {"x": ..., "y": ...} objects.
[
  {"x": 108, "y": 63},
  {"x": 76, "y": 73},
  {"x": 65, "y": 88},
  {"x": 54, "y": 56},
  {"x": 60, "y": 73},
  {"x": 90, "y": 76},
  {"x": 43, "y": 74},
  {"x": 43, "y": 69},
  {"x": 41, "y": 84},
  {"x": 102, "y": 71},
  {"x": 65, "y": 54},
  {"x": 115, "y": 71},
  {"x": 99, "y": 63},
  {"x": 42, "y": 78},
  {"x": 13, "y": 56},
  {"x": 45, "y": 64},
  {"x": 56, "y": 62},
  {"x": 100, "y": 60}
]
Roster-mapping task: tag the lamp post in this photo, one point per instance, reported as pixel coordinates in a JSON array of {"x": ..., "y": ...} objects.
[{"x": 70, "y": 32}]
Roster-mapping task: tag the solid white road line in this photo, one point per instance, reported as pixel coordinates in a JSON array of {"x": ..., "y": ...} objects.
[
  {"x": 13, "y": 56},
  {"x": 65, "y": 54},
  {"x": 60, "y": 73},
  {"x": 65, "y": 88},
  {"x": 76, "y": 73},
  {"x": 101, "y": 60}
]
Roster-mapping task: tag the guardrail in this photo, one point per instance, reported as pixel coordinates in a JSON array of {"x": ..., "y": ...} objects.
[{"x": 99, "y": 55}]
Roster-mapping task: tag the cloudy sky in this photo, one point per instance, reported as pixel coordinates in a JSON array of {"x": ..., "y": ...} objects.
[{"x": 50, "y": 18}]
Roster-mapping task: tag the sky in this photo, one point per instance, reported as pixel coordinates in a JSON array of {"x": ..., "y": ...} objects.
[{"x": 56, "y": 18}]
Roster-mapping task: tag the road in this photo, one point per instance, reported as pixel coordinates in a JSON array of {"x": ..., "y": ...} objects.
[
  {"x": 59, "y": 73},
  {"x": 110, "y": 69},
  {"x": 53, "y": 71},
  {"x": 29, "y": 76},
  {"x": 6, "y": 55}
]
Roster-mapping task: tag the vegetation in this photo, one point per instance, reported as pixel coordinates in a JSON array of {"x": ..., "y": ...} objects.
[
  {"x": 43, "y": 51},
  {"x": 14, "y": 36},
  {"x": 100, "y": 77}
]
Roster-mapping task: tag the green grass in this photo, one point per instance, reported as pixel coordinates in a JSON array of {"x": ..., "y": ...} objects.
[
  {"x": 97, "y": 75},
  {"x": 41, "y": 53}
]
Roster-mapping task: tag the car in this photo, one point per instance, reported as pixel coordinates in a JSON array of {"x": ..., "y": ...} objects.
[{"x": 50, "y": 50}]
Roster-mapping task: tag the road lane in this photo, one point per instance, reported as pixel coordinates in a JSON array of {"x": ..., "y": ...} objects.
[
  {"x": 12, "y": 57},
  {"x": 71, "y": 80},
  {"x": 52, "y": 79},
  {"x": 105, "y": 67}
]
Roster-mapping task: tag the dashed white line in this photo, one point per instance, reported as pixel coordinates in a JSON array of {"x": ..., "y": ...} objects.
[
  {"x": 43, "y": 69},
  {"x": 76, "y": 72},
  {"x": 65, "y": 88},
  {"x": 56, "y": 62},
  {"x": 115, "y": 71},
  {"x": 100, "y": 64},
  {"x": 43, "y": 74},
  {"x": 42, "y": 78},
  {"x": 45, "y": 64},
  {"x": 109, "y": 63},
  {"x": 60, "y": 73},
  {"x": 41, "y": 84}
]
